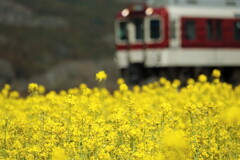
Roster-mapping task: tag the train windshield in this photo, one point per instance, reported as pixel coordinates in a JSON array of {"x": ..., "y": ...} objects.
[
  {"x": 137, "y": 30},
  {"x": 138, "y": 25},
  {"x": 123, "y": 31},
  {"x": 131, "y": 30}
]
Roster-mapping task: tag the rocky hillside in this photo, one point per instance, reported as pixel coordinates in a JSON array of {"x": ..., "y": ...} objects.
[{"x": 35, "y": 35}]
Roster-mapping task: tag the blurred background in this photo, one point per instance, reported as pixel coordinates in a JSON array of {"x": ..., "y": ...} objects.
[{"x": 57, "y": 43}]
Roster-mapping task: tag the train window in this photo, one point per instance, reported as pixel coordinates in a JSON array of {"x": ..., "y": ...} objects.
[
  {"x": 173, "y": 29},
  {"x": 214, "y": 29},
  {"x": 210, "y": 29},
  {"x": 138, "y": 28},
  {"x": 237, "y": 30},
  {"x": 155, "y": 29},
  {"x": 190, "y": 30},
  {"x": 218, "y": 26},
  {"x": 123, "y": 31}
]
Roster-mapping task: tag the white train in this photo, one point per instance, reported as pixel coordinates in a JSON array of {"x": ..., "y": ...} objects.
[{"x": 178, "y": 38}]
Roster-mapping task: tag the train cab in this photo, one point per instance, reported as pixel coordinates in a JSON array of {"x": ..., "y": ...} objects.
[{"x": 176, "y": 37}]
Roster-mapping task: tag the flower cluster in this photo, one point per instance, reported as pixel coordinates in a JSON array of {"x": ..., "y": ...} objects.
[
  {"x": 101, "y": 75},
  {"x": 159, "y": 120}
]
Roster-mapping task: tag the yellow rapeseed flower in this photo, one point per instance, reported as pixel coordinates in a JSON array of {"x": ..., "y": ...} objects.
[
  {"x": 190, "y": 81},
  {"x": 123, "y": 87},
  {"x": 33, "y": 87},
  {"x": 202, "y": 78},
  {"x": 58, "y": 154},
  {"x": 101, "y": 75},
  {"x": 153, "y": 121},
  {"x": 176, "y": 83},
  {"x": 231, "y": 115},
  {"x": 14, "y": 94},
  {"x": 120, "y": 81},
  {"x": 7, "y": 87},
  {"x": 216, "y": 73},
  {"x": 41, "y": 89},
  {"x": 162, "y": 80}
]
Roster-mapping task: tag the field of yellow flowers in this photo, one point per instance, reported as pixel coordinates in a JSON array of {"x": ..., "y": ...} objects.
[{"x": 158, "y": 121}]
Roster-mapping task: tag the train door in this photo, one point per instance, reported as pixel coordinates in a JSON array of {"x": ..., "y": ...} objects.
[
  {"x": 141, "y": 38},
  {"x": 136, "y": 50},
  {"x": 130, "y": 36}
]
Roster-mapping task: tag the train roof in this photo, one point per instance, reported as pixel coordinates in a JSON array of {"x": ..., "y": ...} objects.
[
  {"x": 197, "y": 9},
  {"x": 207, "y": 3},
  {"x": 216, "y": 12}
]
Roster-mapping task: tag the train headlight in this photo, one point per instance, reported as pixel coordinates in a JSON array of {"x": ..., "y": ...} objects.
[
  {"x": 125, "y": 12},
  {"x": 148, "y": 11}
]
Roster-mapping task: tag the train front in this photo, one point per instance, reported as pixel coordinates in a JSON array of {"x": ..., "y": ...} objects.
[{"x": 139, "y": 31}]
